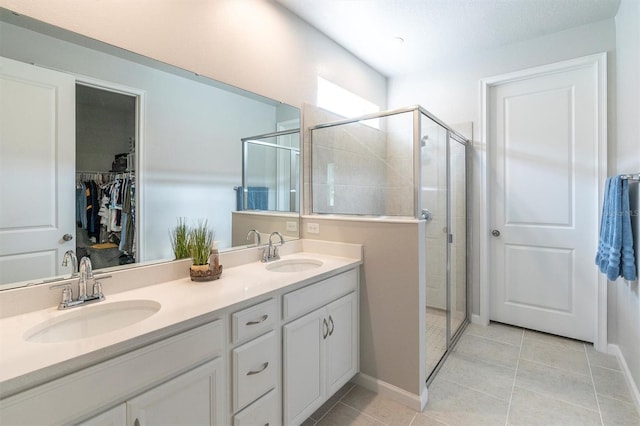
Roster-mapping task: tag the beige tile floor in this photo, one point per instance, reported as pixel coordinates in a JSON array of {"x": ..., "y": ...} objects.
[{"x": 502, "y": 375}]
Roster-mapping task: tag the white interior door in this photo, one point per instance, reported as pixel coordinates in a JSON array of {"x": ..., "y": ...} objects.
[
  {"x": 37, "y": 165},
  {"x": 543, "y": 185}
]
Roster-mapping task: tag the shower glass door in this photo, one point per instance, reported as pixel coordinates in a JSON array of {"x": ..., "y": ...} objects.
[
  {"x": 458, "y": 239},
  {"x": 433, "y": 188},
  {"x": 443, "y": 200}
]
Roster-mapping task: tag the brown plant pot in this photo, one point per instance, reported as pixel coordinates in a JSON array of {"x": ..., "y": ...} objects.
[{"x": 204, "y": 272}]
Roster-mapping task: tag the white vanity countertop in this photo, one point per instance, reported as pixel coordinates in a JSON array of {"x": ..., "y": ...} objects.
[{"x": 184, "y": 304}]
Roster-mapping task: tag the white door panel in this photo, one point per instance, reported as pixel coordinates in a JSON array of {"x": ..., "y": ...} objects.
[
  {"x": 543, "y": 185},
  {"x": 37, "y": 165}
]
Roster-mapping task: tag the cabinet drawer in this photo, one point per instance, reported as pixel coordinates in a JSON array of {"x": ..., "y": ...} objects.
[
  {"x": 255, "y": 369},
  {"x": 253, "y": 321},
  {"x": 316, "y": 295},
  {"x": 262, "y": 412}
]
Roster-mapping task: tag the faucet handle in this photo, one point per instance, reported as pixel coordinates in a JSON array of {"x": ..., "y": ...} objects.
[
  {"x": 264, "y": 254},
  {"x": 97, "y": 290},
  {"x": 275, "y": 255},
  {"x": 67, "y": 294}
]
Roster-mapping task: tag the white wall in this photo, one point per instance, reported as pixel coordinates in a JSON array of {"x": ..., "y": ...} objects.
[
  {"x": 450, "y": 89},
  {"x": 253, "y": 44},
  {"x": 624, "y": 298}
]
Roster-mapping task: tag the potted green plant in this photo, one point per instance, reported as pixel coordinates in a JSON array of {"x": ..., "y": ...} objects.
[
  {"x": 179, "y": 239},
  {"x": 200, "y": 241}
]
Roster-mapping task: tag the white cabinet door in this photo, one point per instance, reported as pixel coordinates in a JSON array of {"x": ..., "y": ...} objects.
[
  {"x": 114, "y": 417},
  {"x": 194, "y": 398},
  {"x": 303, "y": 357},
  {"x": 342, "y": 342},
  {"x": 320, "y": 355}
]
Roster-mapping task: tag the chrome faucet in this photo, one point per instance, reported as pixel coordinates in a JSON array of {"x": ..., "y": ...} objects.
[
  {"x": 86, "y": 276},
  {"x": 86, "y": 273},
  {"x": 70, "y": 255},
  {"x": 257, "y": 236},
  {"x": 271, "y": 251}
]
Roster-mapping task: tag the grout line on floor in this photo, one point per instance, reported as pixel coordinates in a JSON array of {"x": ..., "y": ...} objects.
[
  {"x": 494, "y": 339},
  {"x": 555, "y": 367},
  {"x": 353, "y": 386},
  {"x": 362, "y": 412},
  {"x": 515, "y": 375},
  {"x": 564, "y": 401},
  {"x": 533, "y": 333},
  {"x": 473, "y": 389},
  {"x": 593, "y": 383},
  {"x": 413, "y": 419}
]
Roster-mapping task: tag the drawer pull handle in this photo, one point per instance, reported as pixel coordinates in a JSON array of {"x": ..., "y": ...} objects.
[
  {"x": 264, "y": 367},
  {"x": 136, "y": 423},
  {"x": 325, "y": 328},
  {"x": 262, "y": 319},
  {"x": 332, "y": 325}
]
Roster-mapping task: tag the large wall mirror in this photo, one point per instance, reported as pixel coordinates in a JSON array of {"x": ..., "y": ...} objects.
[{"x": 152, "y": 143}]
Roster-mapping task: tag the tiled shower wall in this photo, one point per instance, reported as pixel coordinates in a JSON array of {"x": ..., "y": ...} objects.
[
  {"x": 358, "y": 169},
  {"x": 399, "y": 190}
]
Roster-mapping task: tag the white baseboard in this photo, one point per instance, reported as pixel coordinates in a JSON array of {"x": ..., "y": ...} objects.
[
  {"x": 413, "y": 401},
  {"x": 475, "y": 319},
  {"x": 613, "y": 349}
]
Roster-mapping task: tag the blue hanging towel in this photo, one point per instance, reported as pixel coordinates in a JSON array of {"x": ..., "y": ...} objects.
[
  {"x": 615, "y": 255},
  {"x": 257, "y": 198},
  {"x": 239, "y": 194}
]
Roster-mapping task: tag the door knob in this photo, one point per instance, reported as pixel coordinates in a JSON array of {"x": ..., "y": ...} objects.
[
  {"x": 495, "y": 233},
  {"x": 67, "y": 237}
]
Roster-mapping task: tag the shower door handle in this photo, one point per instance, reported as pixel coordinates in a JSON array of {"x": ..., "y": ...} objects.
[{"x": 495, "y": 233}]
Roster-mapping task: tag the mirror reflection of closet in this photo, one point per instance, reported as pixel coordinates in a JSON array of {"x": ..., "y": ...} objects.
[{"x": 105, "y": 176}]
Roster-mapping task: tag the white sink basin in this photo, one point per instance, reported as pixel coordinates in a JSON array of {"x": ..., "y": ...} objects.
[
  {"x": 91, "y": 320},
  {"x": 293, "y": 265}
]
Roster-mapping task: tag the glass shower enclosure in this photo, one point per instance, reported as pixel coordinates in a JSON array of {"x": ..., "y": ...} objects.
[
  {"x": 271, "y": 172},
  {"x": 408, "y": 164}
]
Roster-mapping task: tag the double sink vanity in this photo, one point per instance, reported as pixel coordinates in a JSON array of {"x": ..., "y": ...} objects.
[{"x": 267, "y": 343}]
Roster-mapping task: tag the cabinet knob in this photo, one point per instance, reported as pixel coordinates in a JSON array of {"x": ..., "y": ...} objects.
[{"x": 495, "y": 233}]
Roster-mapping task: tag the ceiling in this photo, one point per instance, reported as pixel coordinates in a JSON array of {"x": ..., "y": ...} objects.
[{"x": 434, "y": 29}]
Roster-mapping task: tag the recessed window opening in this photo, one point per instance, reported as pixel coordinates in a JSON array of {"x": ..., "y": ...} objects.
[{"x": 345, "y": 103}]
